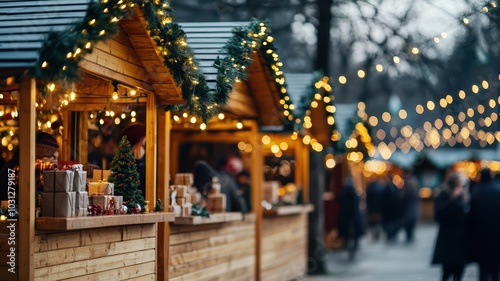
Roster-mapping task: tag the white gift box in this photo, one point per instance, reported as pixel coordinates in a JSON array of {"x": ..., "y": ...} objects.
[
  {"x": 58, "y": 181},
  {"x": 58, "y": 204},
  {"x": 80, "y": 181}
]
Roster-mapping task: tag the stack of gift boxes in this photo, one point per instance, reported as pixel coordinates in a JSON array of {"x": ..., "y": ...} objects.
[
  {"x": 102, "y": 193},
  {"x": 64, "y": 193},
  {"x": 216, "y": 200},
  {"x": 183, "y": 195}
]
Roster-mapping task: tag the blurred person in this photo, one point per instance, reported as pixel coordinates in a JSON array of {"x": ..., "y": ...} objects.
[
  {"x": 94, "y": 148},
  {"x": 451, "y": 244},
  {"x": 374, "y": 193},
  {"x": 136, "y": 135},
  {"x": 350, "y": 222},
  {"x": 202, "y": 180},
  {"x": 483, "y": 226},
  {"x": 243, "y": 180},
  {"x": 232, "y": 165},
  {"x": 411, "y": 207},
  {"x": 392, "y": 210}
]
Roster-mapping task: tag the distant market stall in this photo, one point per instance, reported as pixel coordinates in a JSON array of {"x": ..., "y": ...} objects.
[{"x": 248, "y": 67}]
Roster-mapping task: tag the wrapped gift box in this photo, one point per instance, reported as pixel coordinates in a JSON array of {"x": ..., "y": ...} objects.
[
  {"x": 58, "y": 181},
  {"x": 186, "y": 210},
  {"x": 58, "y": 204},
  {"x": 104, "y": 201},
  {"x": 80, "y": 181},
  {"x": 181, "y": 190},
  {"x": 101, "y": 175},
  {"x": 101, "y": 188},
  {"x": 195, "y": 195},
  {"x": 184, "y": 179},
  {"x": 82, "y": 200},
  {"x": 216, "y": 203},
  {"x": 270, "y": 191},
  {"x": 81, "y": 212},
  {"x": 182, "y": 201}
]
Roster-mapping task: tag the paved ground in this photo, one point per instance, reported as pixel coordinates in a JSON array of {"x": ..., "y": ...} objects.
[{"x": 379, "y": 261}]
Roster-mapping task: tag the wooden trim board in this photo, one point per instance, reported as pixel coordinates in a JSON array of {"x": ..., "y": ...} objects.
[
  {"x": 289, "y": 210},
  {"x": 214, "y": 218},
  {"x": 75, "y": 223}
]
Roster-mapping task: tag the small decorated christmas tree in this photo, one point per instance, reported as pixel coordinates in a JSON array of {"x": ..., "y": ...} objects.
[{"x": 125, "y": 176}]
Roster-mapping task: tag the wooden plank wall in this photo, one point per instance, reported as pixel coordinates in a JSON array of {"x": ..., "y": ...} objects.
[
  {"x": 114, "y": 253},
  {"x": 212, "y": 252},
  {"x": 284, "y": 247}
]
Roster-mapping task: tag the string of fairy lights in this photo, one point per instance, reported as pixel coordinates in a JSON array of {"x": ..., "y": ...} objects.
[
  {"x": 415, "y": 50},
  {"x": 56, "y": 73},
  {"x": 232, "y": 68}
]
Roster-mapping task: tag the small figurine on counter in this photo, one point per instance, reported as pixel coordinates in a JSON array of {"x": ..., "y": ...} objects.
[{"x": 159, "y": 206}]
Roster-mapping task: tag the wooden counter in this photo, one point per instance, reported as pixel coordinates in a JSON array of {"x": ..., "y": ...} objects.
[
  {"x": 118, "y": 247},
  {"x": 76, "y": 223},
  {"x": 284, "y": 242},
  {"x": 218, "y": 248},
  {"x": 288, "y": 210}
]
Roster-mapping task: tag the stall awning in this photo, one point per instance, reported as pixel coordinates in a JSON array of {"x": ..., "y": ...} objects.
[
  {"x": 24, "y": 26},
  {"x": 238, "y": 58}
]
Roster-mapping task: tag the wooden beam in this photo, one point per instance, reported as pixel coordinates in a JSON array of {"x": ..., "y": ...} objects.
[
  {"x": 102, "y": 71},
  {"x": 257, "y": 175},
  {"x": 27, "y": 117},
  {"x": 305, "y": 171},
  {"x": 151, "y": 149},
  {"x": 162, "y": 252},
  {"x": 83, "y": 138},
  {"x": 164, "y": 126}
]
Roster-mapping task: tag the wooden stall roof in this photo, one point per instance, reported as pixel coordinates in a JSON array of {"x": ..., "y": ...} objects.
[
  {"x": 256, "y": 98},
  {"x": 24, "y": 26},
  {"x": 130, "y": 58}
]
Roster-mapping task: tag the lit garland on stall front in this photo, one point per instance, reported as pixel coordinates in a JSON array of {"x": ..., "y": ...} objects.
[
  {"x": 319, "y": 91},
  {"x": 233, "y": 67},
  {"x": 57, "y": 66},
  {"x": 239, "y": 50}
]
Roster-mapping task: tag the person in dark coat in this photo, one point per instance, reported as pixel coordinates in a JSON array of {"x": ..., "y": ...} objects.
[
  {"x": 350, "y": 222},
  {"x": 411, "y": 206},
  {"x": 374, "y": 207},
  {"x": 483, "y": 225},
  {"x": 392, "y": 210},
  {"x": 451, "y": 245},
  {"x": 202, "y": 180}
]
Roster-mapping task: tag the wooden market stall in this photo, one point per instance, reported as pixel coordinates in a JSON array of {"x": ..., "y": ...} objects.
[
  {"x": 79, "y": 56},
  {"x": 238, "y": 250}
]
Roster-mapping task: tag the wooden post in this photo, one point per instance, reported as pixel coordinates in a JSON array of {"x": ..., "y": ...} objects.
[
  {"x": 26, "y": 223},
  {"x": 257, "y": 174},
  {"x": 305, "y": 171},
  {"x": 83, "y": 138},
  {"x": 164, "y": 127},
  {"x": 151, "y": 149},
  {"x": 65, "y": 148}
]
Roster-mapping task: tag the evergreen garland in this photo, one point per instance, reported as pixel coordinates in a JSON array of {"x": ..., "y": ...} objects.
[
  {"x": 125, "y": 176},
  {"x": 57, "y": 65},
  {"x": 254, "y": 38},
  {"x": 317, "y": 86}
]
